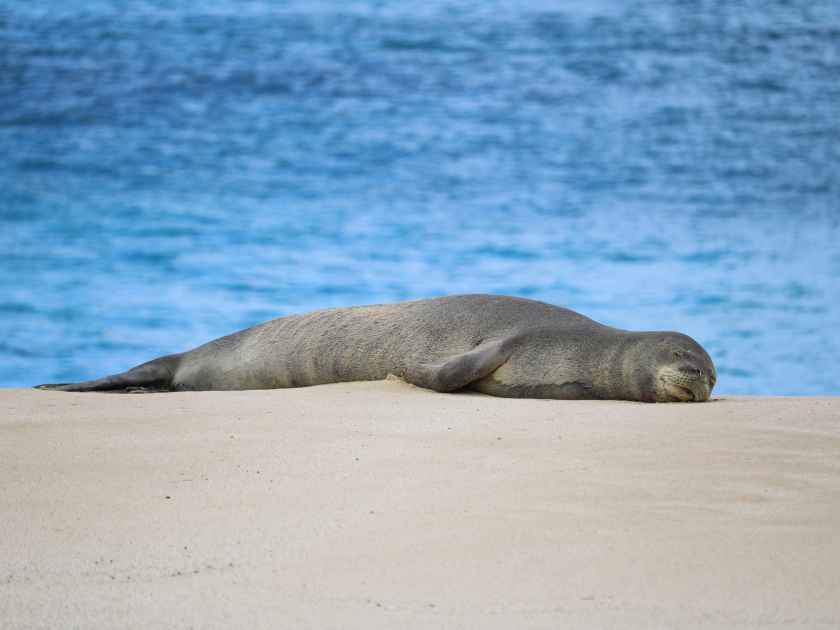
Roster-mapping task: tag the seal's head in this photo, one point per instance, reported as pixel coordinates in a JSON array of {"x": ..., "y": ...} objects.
[{"x": 682, "y": 370}]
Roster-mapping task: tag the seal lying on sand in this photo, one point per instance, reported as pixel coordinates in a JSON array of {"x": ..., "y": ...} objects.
[{"x": 498, "y": 345}]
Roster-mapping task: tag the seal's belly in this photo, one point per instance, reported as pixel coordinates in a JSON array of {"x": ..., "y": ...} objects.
[
  {"x": 571, "y": 390},
  {"x": 534, "y": 379}
]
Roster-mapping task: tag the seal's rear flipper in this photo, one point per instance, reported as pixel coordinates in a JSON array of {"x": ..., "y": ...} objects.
[
  {"x": 460, "y": 370},
  {"x": 154, "y": 376}
]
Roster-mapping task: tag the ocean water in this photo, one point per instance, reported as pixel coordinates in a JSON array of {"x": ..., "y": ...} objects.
[{"x": 174, "y": 171}]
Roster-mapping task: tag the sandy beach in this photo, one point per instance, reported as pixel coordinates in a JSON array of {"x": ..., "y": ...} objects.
[{"x": 380, "y": 505}]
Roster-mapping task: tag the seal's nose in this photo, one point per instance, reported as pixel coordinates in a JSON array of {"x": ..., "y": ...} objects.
[
  {"x": 702, "y": 387},
  {"x": 687, "y": 380},
  {"x": 701, "y": 391},
  {"x": 696, "y": 381}
]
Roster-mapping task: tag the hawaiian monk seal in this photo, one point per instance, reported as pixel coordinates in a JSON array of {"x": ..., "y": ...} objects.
[{"x": 498, "y": 345}]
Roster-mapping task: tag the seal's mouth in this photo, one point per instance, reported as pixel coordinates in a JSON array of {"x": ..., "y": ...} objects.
[
  {"x": 680, "y": 393},
  {"x": 684, "y": 385}
]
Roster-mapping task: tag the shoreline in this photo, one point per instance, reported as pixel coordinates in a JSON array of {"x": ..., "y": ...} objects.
[{"x": 380, "y": 504}]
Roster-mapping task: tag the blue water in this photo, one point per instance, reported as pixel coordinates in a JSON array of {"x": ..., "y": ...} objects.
[{"x": 175, "y": 170}]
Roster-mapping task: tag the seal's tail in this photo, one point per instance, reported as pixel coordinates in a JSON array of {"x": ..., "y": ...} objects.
[{"x": 154, "y": 376}]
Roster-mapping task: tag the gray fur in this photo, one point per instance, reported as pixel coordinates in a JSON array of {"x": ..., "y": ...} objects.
[{"x": 498, "y": 345}]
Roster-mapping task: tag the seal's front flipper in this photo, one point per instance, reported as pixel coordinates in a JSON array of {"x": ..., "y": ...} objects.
[
  {"x": 154, "y": 376},
  {"x": 458, "y": 371}
]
